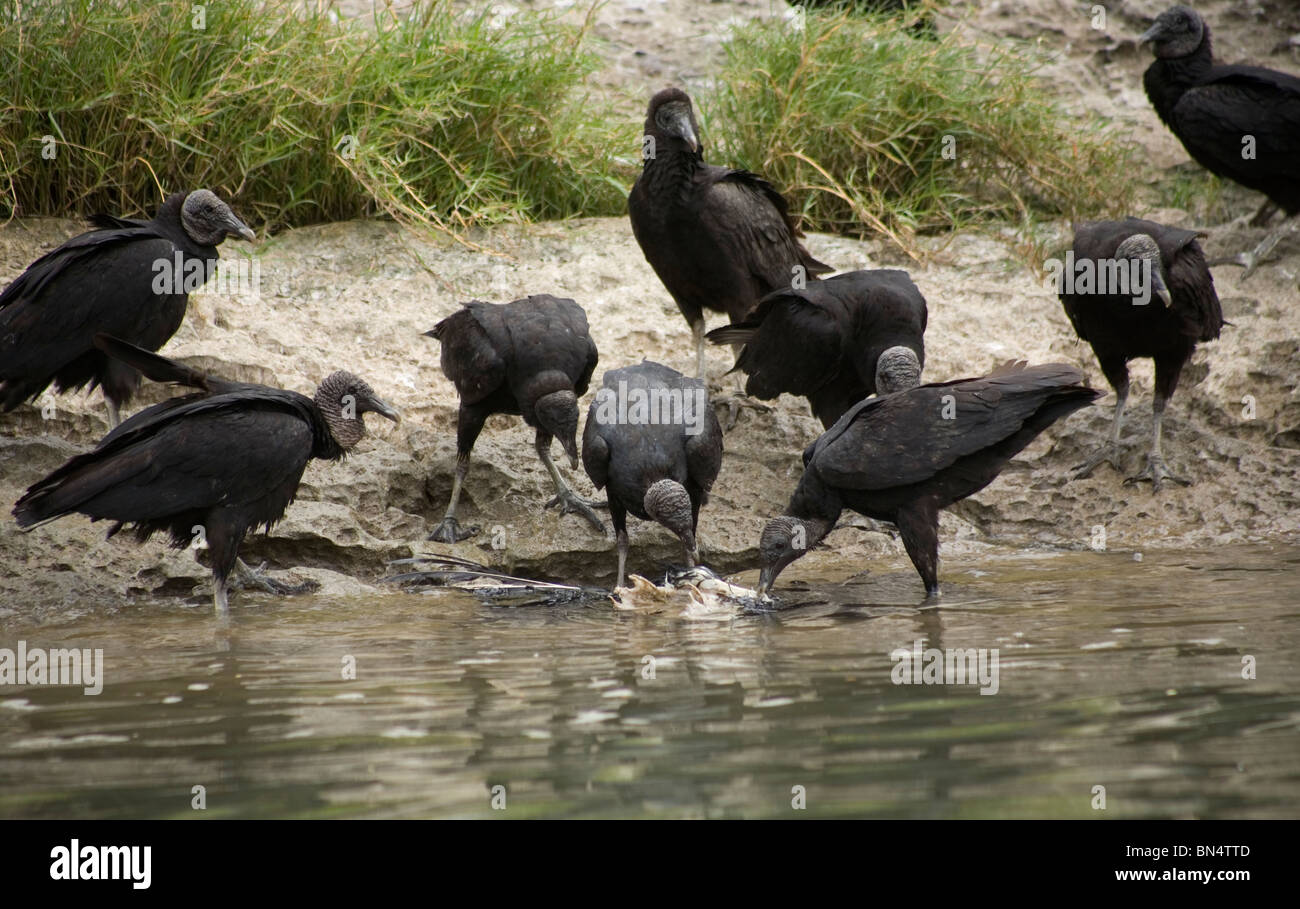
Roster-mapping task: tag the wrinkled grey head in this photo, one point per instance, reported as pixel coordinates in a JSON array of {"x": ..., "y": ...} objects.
[
  {"x": 783, "y": 540},
  {"x": 897, "y": 369},
  {"x": 557, "y": 413},
  {"x": 208, "y": 220},
  {"x": 672, "y": 115},
  {"x": 343, "y": 400},
  {"x": 1177, "y": 32},
  {"x": 667, "y": 502},
  {"x": 1144, "y": 246}
]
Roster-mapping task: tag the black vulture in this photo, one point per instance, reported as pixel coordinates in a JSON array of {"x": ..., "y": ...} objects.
[
  {"x": 654, "y": 444},
  {"x": 1239, "y": 122},
  {"x": 120, "y": 279},
  {"x": 1180, "y": 309},
  {"x": 903, "y": 457},
  {"x": 718, "y": 238},
  {"x": 533, "y": 357},
  {"x": 220, "y": 462},
  {"x": 835, "y": 342}
]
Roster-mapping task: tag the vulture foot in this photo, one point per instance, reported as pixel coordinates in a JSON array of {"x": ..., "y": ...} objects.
[
  {"x": 734, "y": 404},
  {"x": 1157, "y": 471},
  {"x": 1107, "y": 454},
  {"x": 570, "y": 502},
  {"x": 258, "y": 578},
  {"x": 449, "y": 531}
]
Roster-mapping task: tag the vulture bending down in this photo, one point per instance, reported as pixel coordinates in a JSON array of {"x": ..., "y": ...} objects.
[
  {"x": 653, "y": 443},
  {"x": 1181, "y": 309},
  {"x": 1239, "y": 122},
  {"x": 904, "y": 457},
  {"x": 532, "y": 357},
  {"x": 206, "y": 466},
  {"x": 719, "y": 239},
  {"x": 121, "y": 279},
  {"x": 834, "y": 342}
]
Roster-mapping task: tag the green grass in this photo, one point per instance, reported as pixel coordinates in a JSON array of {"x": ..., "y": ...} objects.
[
  {"x": 447, "y": 119},
  {"x": 455, "y": 122},
  {"x": 1195, "y": 190},
  {"x": 850, "y": 118}
]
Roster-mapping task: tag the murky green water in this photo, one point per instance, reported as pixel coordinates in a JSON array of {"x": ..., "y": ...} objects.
[{"x": 1112, "y": 673}]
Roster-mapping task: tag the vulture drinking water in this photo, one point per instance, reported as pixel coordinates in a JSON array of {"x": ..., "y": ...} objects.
[
  {"x": 121, "y": 279},
  {"x": 653, "y": 443},
  {"x": 209, "y": 466},
  {"x": 532, "y": 357},
  {"x": 1179, "y": 309},
  {"x": 834, "y": 342},
  {"x": 904, "y": 457}
]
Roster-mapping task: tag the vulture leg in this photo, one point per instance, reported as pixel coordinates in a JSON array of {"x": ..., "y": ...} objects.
[
  {"x": 469, "y": 423},
  {"x": 697, "y": 330},
  {"x": 618, "y": 515},
  {"x": 1266, "y": 211},
  {"x": 622, "y": 555},
  {"x": 1167, "y": 372},
  {"x": 568, "y": 501},
  {"x": 449, "y": 530},
  {"x": 257, "y": 577},
  {"x": 114, "y": 415},
  {"x": 1252, "y": 259},
  {"x": 738, "y": 400},
  {"x": 220, "y": 599},
  {"x": 223, "y": 548},
  {"x": 693, "y": 555},
  {"x": 1116, "y": 372},
  {"x": 918, "y": 524}
]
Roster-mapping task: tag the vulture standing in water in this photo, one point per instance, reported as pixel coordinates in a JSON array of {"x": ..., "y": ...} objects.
[
  {"x": 903, "y": 457},
  {"x": 718, "y": 238},
  {"x": 112, "y": 280},
  {"x": 532, "y": 357},
  {"x": 1180, "y": 310},
  {"x": 220, "y": 462},
  {"x": 834, "y": 342},
  {"x": 1239, "y": 122},
  {"x": 656, "y": 460}
]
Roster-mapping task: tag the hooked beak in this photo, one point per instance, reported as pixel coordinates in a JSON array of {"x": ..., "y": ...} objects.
[
  {"x": 1152, "y": 34},
  {"x": 387, "y": 411},
  {"x": 237, "y": 228},
  {"x": 682, "y": 127},
  {"x": 571, "y": 449},
  {"x": 1160, "y": 289},
  {"x": 766, "y": 578}
]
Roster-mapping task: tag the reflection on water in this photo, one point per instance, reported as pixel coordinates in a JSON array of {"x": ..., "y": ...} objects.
[{"x": 1113, "y": 673}]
